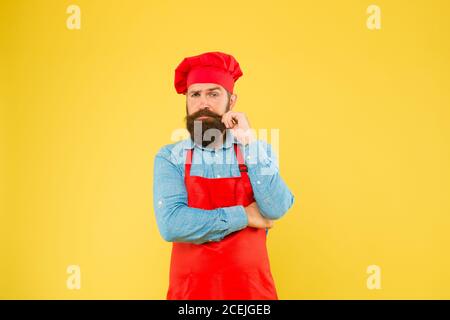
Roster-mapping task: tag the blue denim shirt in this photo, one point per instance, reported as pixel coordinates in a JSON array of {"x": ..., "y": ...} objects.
[{"x": 179, "y": 223}]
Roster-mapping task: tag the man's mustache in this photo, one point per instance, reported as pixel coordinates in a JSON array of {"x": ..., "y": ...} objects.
[
  {"x": 201, "y": 135},
  {"x": 204, "y": 113}
]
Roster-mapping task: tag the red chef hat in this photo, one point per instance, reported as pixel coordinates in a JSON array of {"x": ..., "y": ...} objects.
[{"x": 214, "y": 67}]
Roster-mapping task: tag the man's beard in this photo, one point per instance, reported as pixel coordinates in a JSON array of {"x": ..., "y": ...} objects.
[{"x": 206, "y": 131}]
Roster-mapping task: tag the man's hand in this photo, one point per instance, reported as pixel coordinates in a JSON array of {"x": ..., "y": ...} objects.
[
  {"x": 255, "y": 219},
  {"x": 238, "y": 123}
]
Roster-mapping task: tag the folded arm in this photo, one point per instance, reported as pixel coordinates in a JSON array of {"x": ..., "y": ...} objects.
[{"x": 179, "y": 223}]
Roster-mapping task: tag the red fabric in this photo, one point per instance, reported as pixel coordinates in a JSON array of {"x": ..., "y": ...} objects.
[
  {"x": 208, "y": 67},
  {"x": 235, "y": 268}
]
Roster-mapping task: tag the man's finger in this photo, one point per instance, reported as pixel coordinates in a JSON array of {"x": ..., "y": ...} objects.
[
  {"x": 224, "y": 119},
  {"x": 229, "y": 120}
]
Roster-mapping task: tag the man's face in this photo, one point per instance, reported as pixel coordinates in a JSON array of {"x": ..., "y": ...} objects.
[{"x": 205, "y": 105}]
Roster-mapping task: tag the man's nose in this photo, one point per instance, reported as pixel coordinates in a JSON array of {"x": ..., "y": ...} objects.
[{"x": 204, "y": 105}]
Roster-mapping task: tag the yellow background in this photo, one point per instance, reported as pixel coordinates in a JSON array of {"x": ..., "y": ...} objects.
[{"x": 364, "y": 140}]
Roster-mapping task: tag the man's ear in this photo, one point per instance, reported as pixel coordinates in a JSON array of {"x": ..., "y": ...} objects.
[{"x": 233, "y": 99}]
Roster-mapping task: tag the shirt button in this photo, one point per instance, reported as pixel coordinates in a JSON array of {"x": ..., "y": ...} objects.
[
  {"x": 258, "y": 182},
  {"x": 159, "y": 204},
  {"x": 218, "y": 176}
]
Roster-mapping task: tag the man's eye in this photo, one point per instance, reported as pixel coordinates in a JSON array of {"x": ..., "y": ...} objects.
[
  {"x": 214, "y": 94},
  {"x": 194, "y": 94}
]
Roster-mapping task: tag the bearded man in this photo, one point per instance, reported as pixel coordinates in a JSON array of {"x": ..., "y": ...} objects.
[{"x": 217, "y": 193}]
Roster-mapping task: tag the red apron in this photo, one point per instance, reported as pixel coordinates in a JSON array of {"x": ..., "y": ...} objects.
[{"x": 235, "y": 268}]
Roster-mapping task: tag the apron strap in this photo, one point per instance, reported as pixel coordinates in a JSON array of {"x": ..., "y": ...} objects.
[
  {"x": 240, "y": 159},
  {"x": 187, "y": 167}
]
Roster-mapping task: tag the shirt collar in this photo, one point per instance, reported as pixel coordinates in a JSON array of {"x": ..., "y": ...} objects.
[{"x": 229, "y": 141}]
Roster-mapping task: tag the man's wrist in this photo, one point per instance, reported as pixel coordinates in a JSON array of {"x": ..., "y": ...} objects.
[{"x": 237, "y": 217}]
